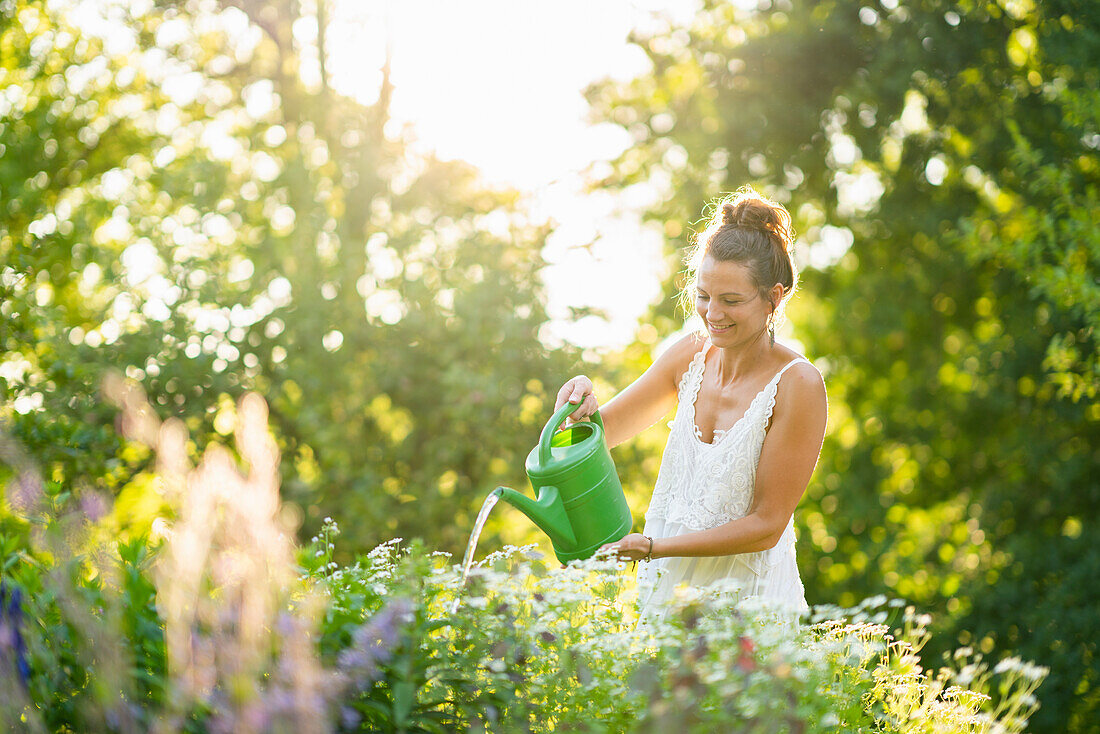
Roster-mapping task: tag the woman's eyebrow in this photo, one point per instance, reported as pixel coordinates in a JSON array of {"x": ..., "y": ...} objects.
[{"x": 721, "y": 295}]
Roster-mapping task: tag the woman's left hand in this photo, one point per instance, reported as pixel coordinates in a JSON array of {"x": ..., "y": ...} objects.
[{"x": 633, "y": 547}]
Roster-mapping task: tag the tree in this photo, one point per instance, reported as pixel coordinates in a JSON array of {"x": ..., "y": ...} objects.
[
  {"x": 941, "y": 162},
  {"x": 182, "y": 207}
]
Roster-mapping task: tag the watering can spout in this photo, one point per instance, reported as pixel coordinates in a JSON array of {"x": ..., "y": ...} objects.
[
  {"x": 547, "y": 512},
  {"x": 578, "y": 501}
]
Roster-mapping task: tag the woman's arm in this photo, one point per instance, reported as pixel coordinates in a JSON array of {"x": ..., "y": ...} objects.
[
  {"x": 644, "y": 402},
  {"x": 787, "y": 460}
]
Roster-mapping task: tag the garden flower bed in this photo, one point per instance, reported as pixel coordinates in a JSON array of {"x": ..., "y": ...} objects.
[
  {"x": 533, "y": 648},
  {"x": 375, "y": 647},
  {"x": 221, "y": 624}
]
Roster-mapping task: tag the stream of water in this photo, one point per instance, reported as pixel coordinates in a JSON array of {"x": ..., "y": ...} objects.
[{"x": 468, "y": 559}]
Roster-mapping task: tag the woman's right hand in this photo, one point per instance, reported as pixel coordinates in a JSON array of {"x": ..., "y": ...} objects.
[{"x": 578, "y": 390}]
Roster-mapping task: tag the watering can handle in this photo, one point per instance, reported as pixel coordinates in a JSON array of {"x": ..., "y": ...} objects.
[{"x": 552, "y": 427}]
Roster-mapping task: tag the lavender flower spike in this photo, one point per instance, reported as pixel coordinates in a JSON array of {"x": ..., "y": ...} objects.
[{"x": 11, "y": 639}]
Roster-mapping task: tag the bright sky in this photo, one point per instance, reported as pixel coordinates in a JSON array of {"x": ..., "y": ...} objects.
[{"x": 499, "y": 83}]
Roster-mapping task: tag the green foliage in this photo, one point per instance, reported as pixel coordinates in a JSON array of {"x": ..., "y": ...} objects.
[
  {"x": 180, "y": 207},
  {"x": 225, "y": 626},
  {"x": 520, "y": 648},
  {"x": 941, "y": 163},
  {"x": 176, "y": 204},
  {"x": 95, "y": 642},
  {"x": 526, "y": 648}
]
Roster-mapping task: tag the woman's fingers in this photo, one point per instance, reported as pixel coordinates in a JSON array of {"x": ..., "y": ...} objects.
[
  {"x": 563, "y": 395},
  {"x": 616, "y": 548},
  {"x": 578, "y": 390},
  {"x": 582, "y": 388},
  {"x": 573, "y": 391},
  {"x": 588, "y": 406}
]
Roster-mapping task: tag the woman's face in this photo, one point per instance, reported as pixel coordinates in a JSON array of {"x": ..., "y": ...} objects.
[{"x": 729, "y": 303}]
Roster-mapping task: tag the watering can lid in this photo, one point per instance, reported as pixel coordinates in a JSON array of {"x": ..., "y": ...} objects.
[{"x": 550, "y": 460}]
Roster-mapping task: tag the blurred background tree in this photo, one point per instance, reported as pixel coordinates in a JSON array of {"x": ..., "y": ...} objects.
[
  {"x": 941, "y": 162},
  {"x": 179, "y": 205}
]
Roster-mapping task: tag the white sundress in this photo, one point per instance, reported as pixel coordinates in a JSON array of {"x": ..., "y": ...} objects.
[{"x": 703, "y": 485}]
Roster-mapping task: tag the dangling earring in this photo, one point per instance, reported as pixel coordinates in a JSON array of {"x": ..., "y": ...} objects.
[{"x": 771, "y": 327}]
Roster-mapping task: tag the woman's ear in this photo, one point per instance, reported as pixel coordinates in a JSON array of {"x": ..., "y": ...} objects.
[{"x": 775, "y": 296}]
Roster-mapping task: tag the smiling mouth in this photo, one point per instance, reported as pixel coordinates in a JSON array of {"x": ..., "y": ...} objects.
[{"x": 714, "y": 327}]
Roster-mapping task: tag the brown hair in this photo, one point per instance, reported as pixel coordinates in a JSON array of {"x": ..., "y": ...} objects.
[{"x": 750, "y": 230}]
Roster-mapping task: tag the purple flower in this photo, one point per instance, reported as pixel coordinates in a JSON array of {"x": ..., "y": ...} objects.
[
  {"x": 11, "y": 640},
  {"x": 372, "y": 644},
  {"x": 286, "y": 625},
  {"x": 25, "y": 492},
  {"x": 94, "y": 505},
  {"x": 349, "y": 717}
]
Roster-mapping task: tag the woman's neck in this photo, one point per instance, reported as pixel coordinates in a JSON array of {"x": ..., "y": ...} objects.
[{"x": 737, "y": 363}]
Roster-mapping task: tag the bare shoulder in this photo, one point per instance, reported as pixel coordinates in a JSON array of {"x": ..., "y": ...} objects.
[
  {"x": 806, "y": 372},
  {"x": 802, "y": 384},
  {"x": 674, "y": 361}
]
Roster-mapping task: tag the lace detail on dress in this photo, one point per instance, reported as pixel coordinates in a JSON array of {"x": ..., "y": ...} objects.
[
  {"x": 702, "y": 485},
  {"x": 692, "y": 381},
  {"x": 715, "y": 437}
]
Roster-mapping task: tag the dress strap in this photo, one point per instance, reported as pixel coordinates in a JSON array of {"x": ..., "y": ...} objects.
[
  {"x": 787, "y": 366},
  {"x": 692, "y": 378},
  {"x": 773, "y": 388}
]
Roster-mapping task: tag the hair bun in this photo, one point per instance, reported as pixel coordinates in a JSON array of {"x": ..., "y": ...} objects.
[
  {"x": 729, "y": 213},
  {"x": 748, "y": 210},
  {"x": 750, "y": 230}
]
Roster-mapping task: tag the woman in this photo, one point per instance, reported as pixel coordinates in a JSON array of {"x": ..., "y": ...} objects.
[{"x": 749, "y": 423}]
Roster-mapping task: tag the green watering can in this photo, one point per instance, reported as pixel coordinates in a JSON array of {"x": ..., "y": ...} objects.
[{"x": 579, "y": 501}]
